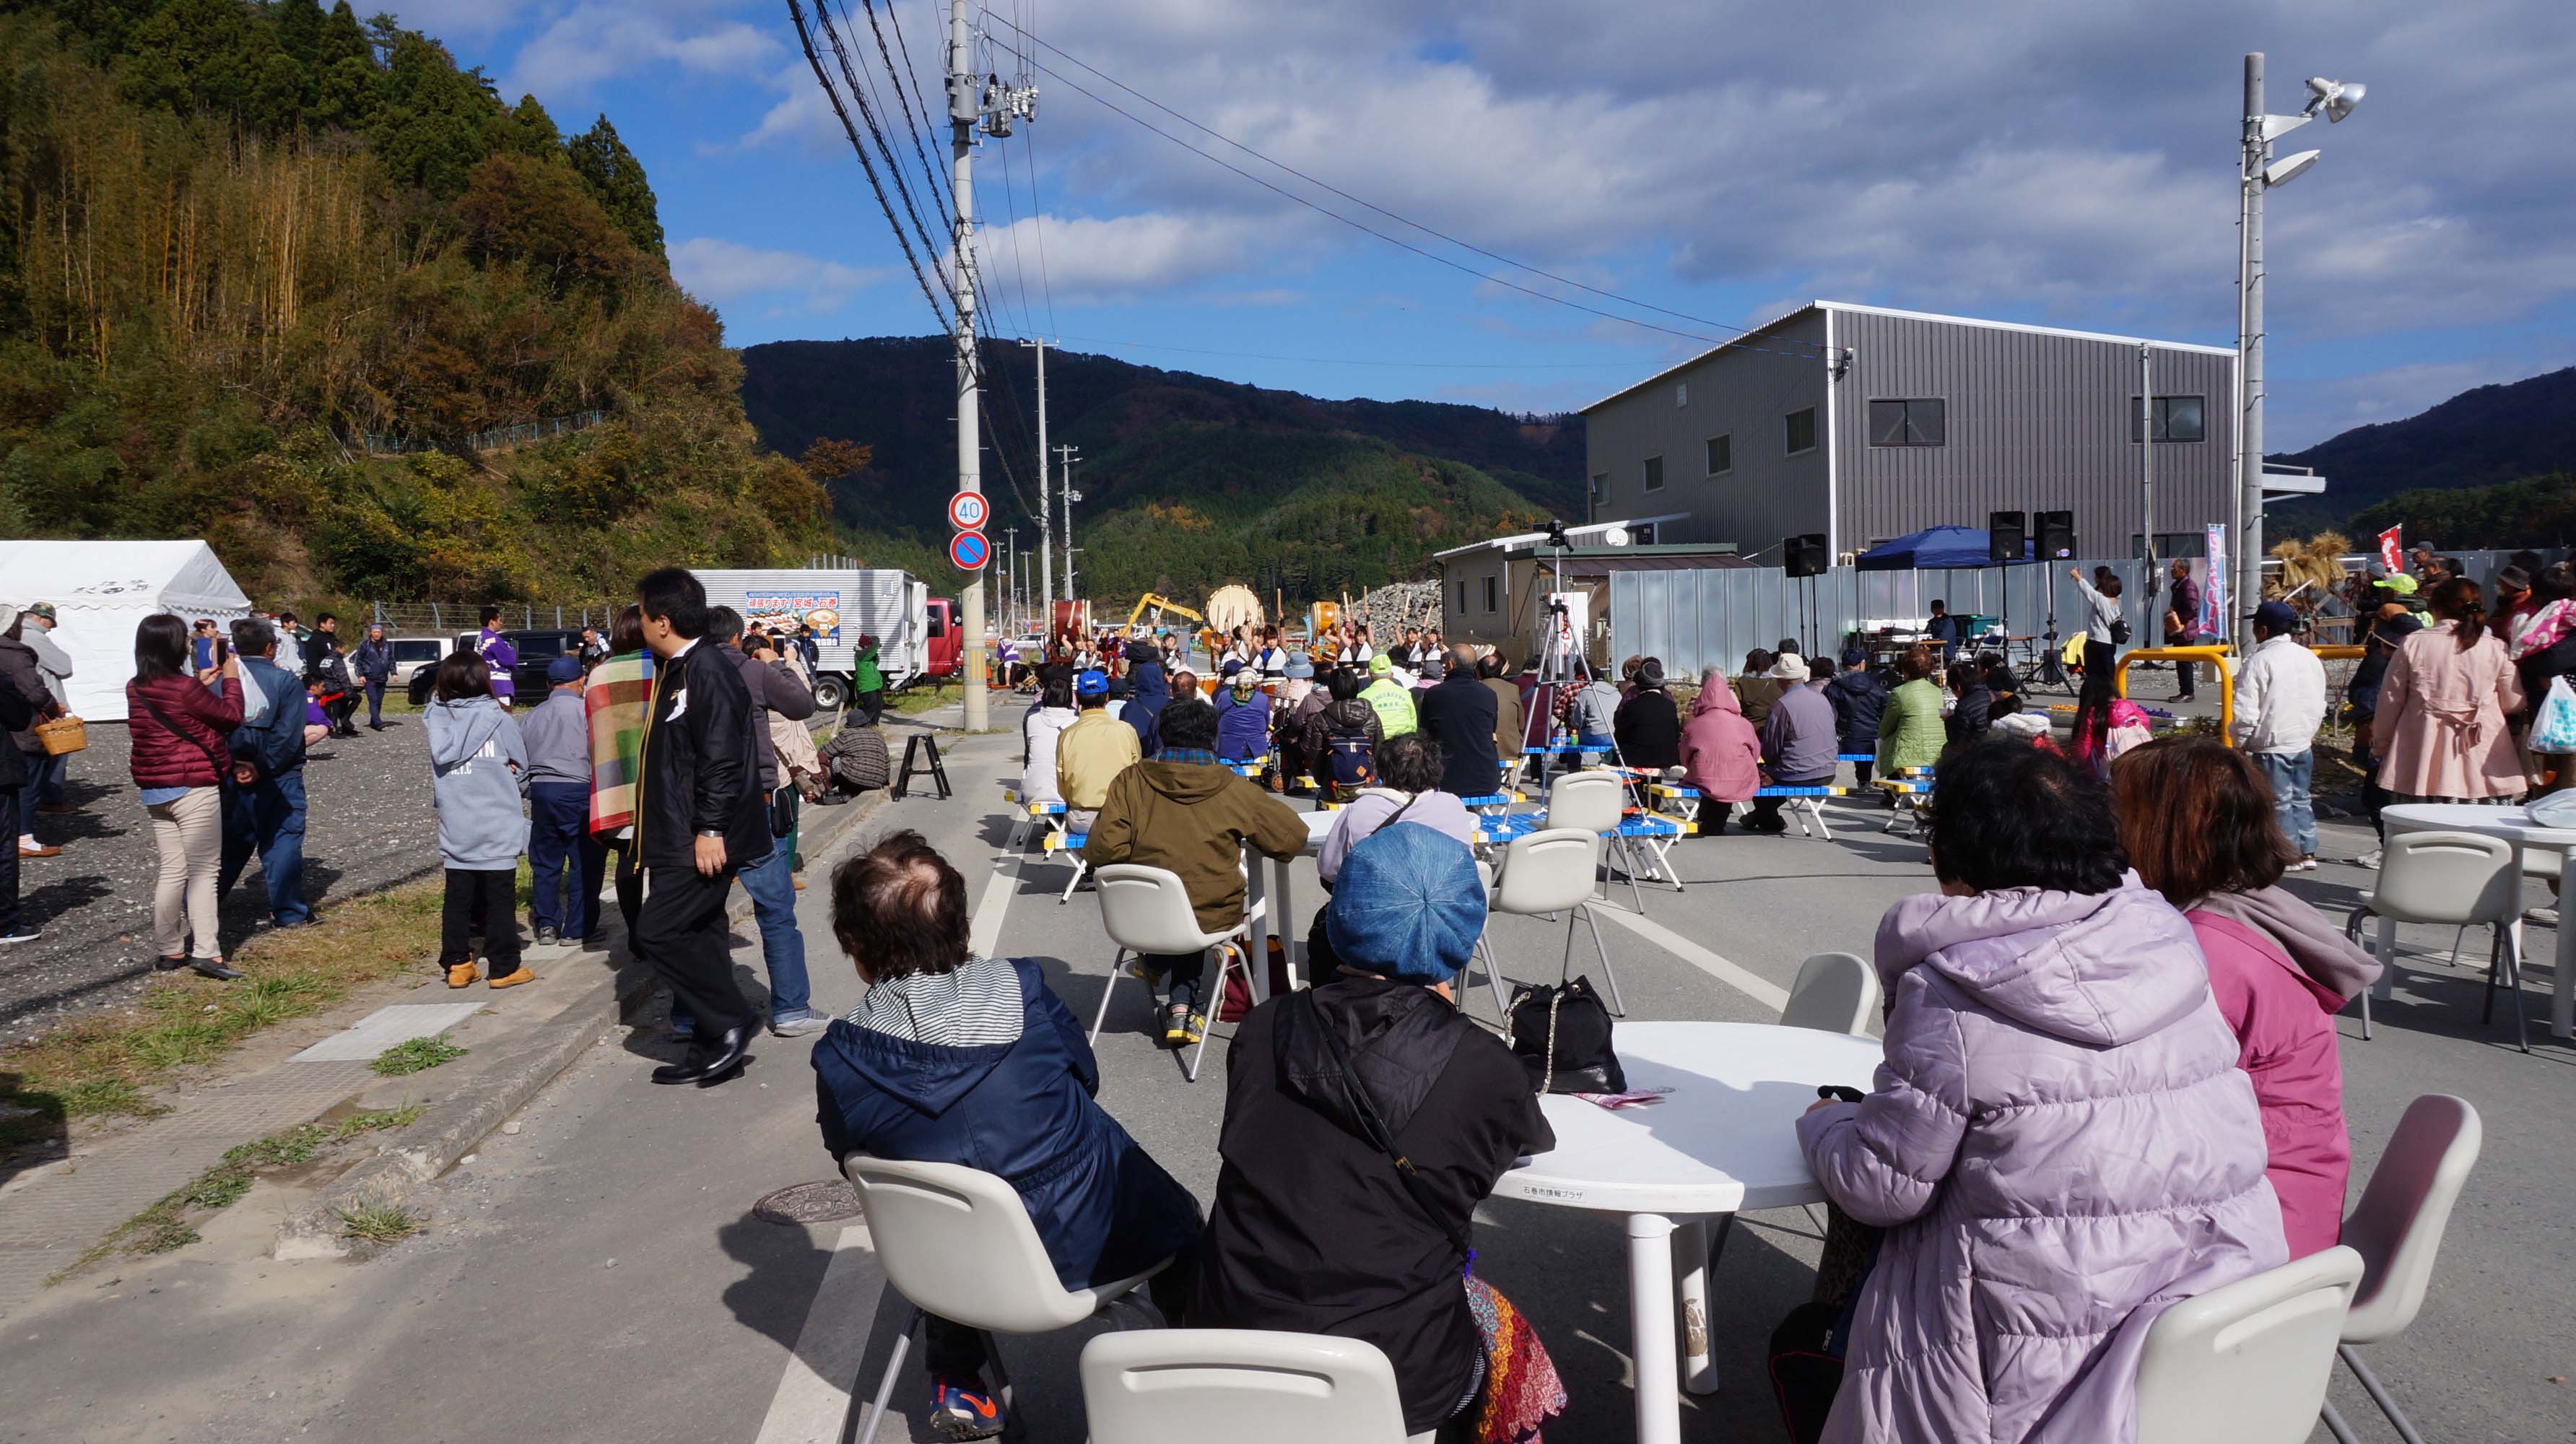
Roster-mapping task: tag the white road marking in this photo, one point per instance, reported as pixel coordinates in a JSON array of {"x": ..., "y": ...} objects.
[
  {"x": 1759, "y": 989},
  {"x": 813, "y": 1399},
  {"x": 986, "y": 932}
]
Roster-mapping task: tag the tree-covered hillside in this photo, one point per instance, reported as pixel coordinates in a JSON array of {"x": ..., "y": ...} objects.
[
  {"x": 245, "y": 245},
  {"x": 1188, "y": 482}
]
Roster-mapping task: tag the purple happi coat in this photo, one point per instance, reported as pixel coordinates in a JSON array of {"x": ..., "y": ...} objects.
[{"x": 2060, "y": 1145}]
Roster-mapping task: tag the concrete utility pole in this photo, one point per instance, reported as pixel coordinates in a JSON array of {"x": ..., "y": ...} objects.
[
  {"x": 2147, "y": 462},
  {"x": 1070, "y": 497},
  {"x": 965, "y": 108},
  {"x": 1046, "y": 513}
]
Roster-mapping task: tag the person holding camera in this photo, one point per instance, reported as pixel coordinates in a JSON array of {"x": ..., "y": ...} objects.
[{"x": 2280, "y": 703}]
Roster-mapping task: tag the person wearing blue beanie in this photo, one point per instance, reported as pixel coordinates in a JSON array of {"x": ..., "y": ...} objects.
[{"x": 1315, "y": 1228}]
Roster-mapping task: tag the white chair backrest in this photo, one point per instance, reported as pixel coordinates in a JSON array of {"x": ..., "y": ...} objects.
[
  {"x": 1547, "y": 871},
  {"x": 958, "y": 1242},
  {"x": 1147, "y": 909},
  {"x": 2447, "y": 877},
  {"x": 1591, "y": 801},
  {"x": 1167, "y": 1386},
  {"x": 2248, "y": 1363},
  {"x": 1834, "y": 993},
  {"x": 2397, "y": 1227}
]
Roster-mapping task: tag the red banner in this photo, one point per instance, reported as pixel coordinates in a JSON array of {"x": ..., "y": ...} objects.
[{"x": 2392, "y": 557}]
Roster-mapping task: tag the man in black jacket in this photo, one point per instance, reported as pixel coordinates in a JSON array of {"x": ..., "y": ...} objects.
[
  {"x": 17, "y": 713},
  {"x": 698, "y": 817},
  {"x": 1459, "y": 715}
]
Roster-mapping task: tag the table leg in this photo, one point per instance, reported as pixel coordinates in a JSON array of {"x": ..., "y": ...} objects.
[
  {"x": 2562, "y": 994},
  {"x": 2386, "y": 987},
  {"x": 1650, "y": 1327},
  {"x": 1292, "y": 934},
  {"x": 1255, "y": 894},
  {"x": 1690, "y": 1289}
]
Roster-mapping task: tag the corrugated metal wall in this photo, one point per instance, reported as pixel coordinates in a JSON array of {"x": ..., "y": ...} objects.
[
  {"x": 1711, "y": 617},
  {"x": 2034, "y": 421},
  {"x": 1744, "y": 392}
]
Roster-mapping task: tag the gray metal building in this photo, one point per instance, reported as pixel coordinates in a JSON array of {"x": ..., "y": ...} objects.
[{"x": 1865, "y": 424}]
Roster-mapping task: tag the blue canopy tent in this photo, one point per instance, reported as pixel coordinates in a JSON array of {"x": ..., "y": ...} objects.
[{"x": 1933, "y": 547}]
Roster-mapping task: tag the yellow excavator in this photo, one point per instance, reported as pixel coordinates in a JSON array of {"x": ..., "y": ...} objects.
[{"x": 1160, "y": 606}]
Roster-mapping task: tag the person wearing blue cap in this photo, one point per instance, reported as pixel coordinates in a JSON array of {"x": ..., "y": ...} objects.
[
  {"x": 1317, "y": 1226},
  {"x": 563, "y": 890},
  {"x": 1091, "y": 751}
]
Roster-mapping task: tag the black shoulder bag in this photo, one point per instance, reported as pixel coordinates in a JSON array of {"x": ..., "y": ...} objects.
[{"x": 1561, "y": 1034}]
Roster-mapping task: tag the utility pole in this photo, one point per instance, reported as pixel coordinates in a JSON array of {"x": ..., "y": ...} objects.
[
  {"x": 1070, "y": 497},
  {"x": 965, "y": 108},
  {"x": 1011, "y": 575},
  {"x": 1046, "y": 519},
  {"x": 2248, "y": 591},
  {"x": 2147, "y": 463}
]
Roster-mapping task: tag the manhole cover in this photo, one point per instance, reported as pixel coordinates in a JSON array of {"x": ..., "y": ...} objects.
[{"x": 809, "y": 1203}]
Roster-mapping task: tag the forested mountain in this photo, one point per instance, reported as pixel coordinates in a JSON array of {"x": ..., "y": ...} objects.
[
  {"x": 2478, "y": 439},
  {"x": 241, "y": 238},
  {"x": 1187, "y": 481}
]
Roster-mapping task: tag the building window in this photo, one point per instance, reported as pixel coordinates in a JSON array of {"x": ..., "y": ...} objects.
[
  {"x": 2178, "y": 418},
  {"x": 1601, "y": 486},
  {"x": 1920, "y": 422},
  {"x": 1462, "y": 596},
  {"x": 1491, "y": 596},
  {"x": 1654, "y": 473},
  {"x": 1681, "y": 393},
  {"x": 1799, "y": 431},
  {"x": 1721, "y": 454}
]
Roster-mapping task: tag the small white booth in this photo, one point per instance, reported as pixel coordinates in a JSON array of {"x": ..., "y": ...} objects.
[{"x": 100, "y": 589}]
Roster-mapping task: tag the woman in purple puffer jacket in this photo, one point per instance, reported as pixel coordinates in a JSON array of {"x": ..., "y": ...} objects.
[{"x": 2060, "y": 1144}]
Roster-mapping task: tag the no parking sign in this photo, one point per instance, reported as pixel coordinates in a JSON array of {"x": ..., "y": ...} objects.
[{"x": 969, "y": 550}]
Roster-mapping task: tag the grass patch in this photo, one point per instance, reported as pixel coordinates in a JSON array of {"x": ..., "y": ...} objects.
[
  {"x": 378, "y": 1222},
  {"x": 168, "y": 1225},
  {"x": 412, "y": 1055},
  {"x": 103, "y": 1065}
]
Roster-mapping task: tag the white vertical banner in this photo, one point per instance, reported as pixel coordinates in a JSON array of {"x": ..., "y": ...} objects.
[{"x": 2215, "y": 603}]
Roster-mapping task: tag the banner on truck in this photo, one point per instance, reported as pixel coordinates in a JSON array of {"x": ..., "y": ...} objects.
[{"x": 790, "y": 610}]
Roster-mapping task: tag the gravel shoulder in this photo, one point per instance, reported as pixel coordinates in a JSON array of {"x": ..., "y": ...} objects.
[{"x": 370, "y": 824}]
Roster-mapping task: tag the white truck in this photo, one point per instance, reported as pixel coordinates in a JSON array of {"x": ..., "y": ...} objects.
[{"x": 916, "y": 632}]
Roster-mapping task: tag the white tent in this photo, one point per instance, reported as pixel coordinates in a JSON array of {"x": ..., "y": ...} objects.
[{"x": 100, "y": 589}]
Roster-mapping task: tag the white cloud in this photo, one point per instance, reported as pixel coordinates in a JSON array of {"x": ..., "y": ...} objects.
[
  {"x": 1150, "y": 253},
  {"x": 2302, "y": 415},
  {"x": 722, "y": 272},
  {"x": 593, "y": 43}
]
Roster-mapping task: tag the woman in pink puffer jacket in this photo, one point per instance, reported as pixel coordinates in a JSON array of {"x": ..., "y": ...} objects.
[{"x": 2060, "y": 1143}]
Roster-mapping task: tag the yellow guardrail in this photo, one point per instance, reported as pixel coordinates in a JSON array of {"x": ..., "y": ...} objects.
[{"x": 2221, "y": 657}]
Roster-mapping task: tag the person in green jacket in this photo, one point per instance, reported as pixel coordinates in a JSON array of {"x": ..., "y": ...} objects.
[
  {"x": 868, "y": 682},
  {"x": 1910, "y": 731},
  {"x": 1392, "y": 703}
]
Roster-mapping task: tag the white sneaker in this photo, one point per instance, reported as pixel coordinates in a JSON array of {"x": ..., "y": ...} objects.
[
  {"x": 2307, "y": 864},
  {"x": 2368, "y": 859}
]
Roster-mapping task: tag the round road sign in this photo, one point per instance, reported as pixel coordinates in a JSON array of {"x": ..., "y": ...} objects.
[
  {"x": 969, "y": 550},
  {"x": 968, "y": 511}
]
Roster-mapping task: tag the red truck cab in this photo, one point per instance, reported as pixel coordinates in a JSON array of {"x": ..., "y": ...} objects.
[{"x": 945, "y": 652}]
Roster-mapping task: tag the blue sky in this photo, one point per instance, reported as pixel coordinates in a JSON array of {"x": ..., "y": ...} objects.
[{"x": 2062, "y": 163}]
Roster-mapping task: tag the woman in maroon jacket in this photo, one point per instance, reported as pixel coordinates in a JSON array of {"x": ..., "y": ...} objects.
[{"x": 177, "y": 727}]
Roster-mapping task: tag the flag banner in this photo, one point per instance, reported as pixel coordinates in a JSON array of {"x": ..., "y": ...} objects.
[
  {"x": 2392, "y": 554},
  {"x": 2213, "y": 597}
]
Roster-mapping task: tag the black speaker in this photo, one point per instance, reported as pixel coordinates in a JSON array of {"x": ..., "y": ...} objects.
[
  {"x": 2005, "y": 532},
  {"x": 1803, "y": 556},
  {"x": 2057, "y": 534}
]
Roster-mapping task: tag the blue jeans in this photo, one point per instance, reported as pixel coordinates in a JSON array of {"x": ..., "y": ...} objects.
[
  {"x": 562, "y": 881},
  {"x": 2289, "y": 774},
  {"x": 268, "y": 817},
  {"x": 375, "y": 704},
  {"x": 47, "y": 777},
  {"x": 772, "y": 885}
]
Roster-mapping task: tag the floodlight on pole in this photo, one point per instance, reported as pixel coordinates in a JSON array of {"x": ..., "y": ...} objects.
[
  {"x": 2289, "y": 168},
  {"x": 2334, "y": 97}
]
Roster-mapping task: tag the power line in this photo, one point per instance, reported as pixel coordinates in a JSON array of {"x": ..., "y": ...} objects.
[
  {"x": 1037, "y": 221},
  {"x": 921, "y": 126},
  {"x": 859, "y": 98},
  {"x": 1010, "y": 211},
  {"x": 1372, "y": 205},
  {"x": 805, "y": 37}
]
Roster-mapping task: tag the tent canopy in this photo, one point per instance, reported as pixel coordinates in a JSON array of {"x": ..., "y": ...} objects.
[
  {"x": 1933, "y": 547},
  {"x": 100, "y": 589}
]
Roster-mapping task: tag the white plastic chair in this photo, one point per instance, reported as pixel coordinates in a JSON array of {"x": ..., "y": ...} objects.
[
  {"x": 2463, "y": 879},
  {"x": 958, "y": 1243},
  {"x": 2248, "y": 1363},
  {"x": 2397, "y": 1230},
  {"x": 1164, "y": 1387},
  {"x": 1551, "y": 871},
  {"x": 1834, "y": 993},
  {"x": 1593, "y": 801},
  {"x": 1147, "y": 910}
]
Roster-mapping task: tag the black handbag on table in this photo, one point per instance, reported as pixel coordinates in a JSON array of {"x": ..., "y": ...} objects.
[{"x": 1561, "y": 1034}]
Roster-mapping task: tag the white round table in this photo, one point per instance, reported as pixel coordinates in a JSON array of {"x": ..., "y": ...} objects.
[
  {"x": 2514, "y": 825},
  {"x": 1724, "y": 1140}
]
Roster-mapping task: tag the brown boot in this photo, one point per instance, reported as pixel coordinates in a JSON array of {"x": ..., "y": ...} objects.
[
  {"x": 462, "y": 975},
  {"x": 514, "y": 979}
]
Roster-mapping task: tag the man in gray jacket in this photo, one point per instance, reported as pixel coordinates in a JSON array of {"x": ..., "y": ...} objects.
[
  {"x": 771, "y": 881},
  {"x": 563, "y": 887}
]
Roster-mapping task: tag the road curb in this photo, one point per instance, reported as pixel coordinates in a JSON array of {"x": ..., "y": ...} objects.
[{"x": 416, "y": 1156}]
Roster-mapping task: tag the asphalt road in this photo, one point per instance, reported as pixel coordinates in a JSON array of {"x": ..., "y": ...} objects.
[
  {"x": 601, "y": 1275},
  {"x": 370, "y": 823}
]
